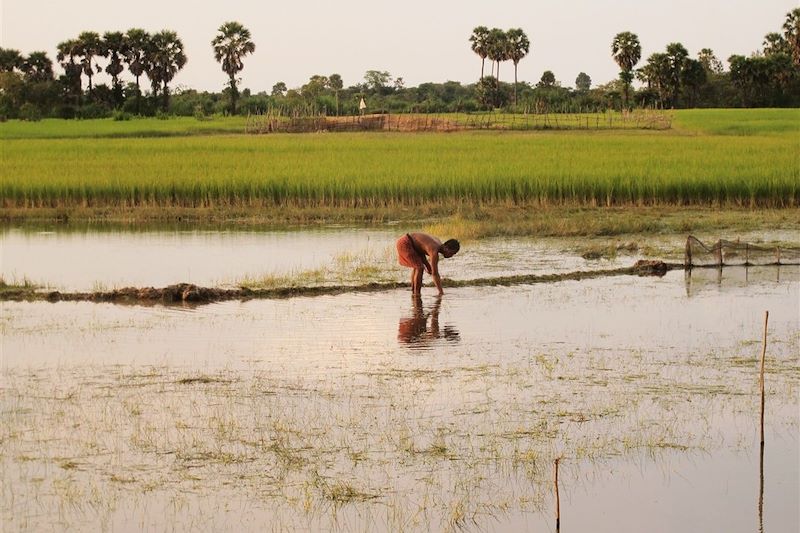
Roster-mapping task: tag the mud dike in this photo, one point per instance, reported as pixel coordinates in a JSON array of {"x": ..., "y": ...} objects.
[{"x": 193, "y": 294}]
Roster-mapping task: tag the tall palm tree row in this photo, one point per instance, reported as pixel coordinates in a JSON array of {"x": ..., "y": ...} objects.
[
  {"x": 498, "y": 45},
  {"x": 626, "y": 51},
  {"x": 230, "y": 46},
  {"x": 160, "y": 56}
]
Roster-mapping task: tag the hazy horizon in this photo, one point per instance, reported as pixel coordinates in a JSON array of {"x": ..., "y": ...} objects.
[{"x": 418, "y": 41}]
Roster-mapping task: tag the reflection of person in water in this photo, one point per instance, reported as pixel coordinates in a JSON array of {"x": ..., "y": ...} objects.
[
  {"x": 414, "y": 330},
  {"x": 420, "y": 252}
]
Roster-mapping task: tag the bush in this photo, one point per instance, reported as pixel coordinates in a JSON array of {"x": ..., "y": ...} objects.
[
  {"x": 200, "y": 113},
  {"x": 30, "y": 112},
  {"x": 489, "y": 94},
  {"x": 94, "y": 110},
  {"x": 142, "y": 107},
  {"x": 66, "y": 112},
  {"x": 121, "y": 115}
]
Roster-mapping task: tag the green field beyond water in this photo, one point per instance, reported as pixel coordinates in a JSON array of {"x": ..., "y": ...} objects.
[{"x": 709, "y": 157}]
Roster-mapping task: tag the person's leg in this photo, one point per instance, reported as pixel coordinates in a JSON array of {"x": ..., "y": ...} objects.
[{"x": 418, "y": 280}]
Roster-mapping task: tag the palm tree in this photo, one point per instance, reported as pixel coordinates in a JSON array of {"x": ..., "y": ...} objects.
[
  {"x": 656, "y": 73},
  {"x": 791, "y": 32},
  {"x": 677, "y": 56},
  {"x": 164, "y": 58},
  {"x": 479, "y": 40},
  {"x": 38, "y": 67},
  {"x": 10, "y": 59},
  {"x": 518, "y": 47},
  {"x": 497, "y": 46},
  {"x": 774, "y": 44},
  {"x": 67, "y": 51},
  {"x": 90, "y": 45},
  {"x": 710, "y": 63},
  {"x": 335, "y": 82},
  {"x": 230, "y": 46},
  {"x": 116, "y": 48},
  {"x": 626, "y": 51},
  {"x": 138, "y": 42}
]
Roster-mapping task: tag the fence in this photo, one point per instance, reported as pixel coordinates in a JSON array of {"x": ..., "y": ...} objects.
[
  {"x": 730, "y": 253},
  {"x": 276, "y": 122}
]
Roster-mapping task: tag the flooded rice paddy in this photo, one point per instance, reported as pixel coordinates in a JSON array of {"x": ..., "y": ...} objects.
[
  {"x": 100, "y": 260},
  {"x": 382, "y": 412}
]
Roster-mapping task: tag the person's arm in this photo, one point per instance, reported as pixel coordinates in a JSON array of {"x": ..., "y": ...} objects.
[
  {"x": 427, "y": 265},
  {"x": 437, "y": 280}
]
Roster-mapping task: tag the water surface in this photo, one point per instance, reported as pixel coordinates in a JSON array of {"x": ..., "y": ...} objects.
[
  {"x": 71, "y": 260},
  {"x": 383, "y": 412}
]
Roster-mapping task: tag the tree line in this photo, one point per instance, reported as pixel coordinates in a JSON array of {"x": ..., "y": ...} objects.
[
  {"x": 770, "y": 77},
  {"x": 30, "y": 88}
]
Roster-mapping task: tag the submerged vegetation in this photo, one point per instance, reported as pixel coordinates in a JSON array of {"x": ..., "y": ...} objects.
[{"x": 325, "y": 435}]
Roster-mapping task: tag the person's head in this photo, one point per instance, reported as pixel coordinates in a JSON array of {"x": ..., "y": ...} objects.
[{"x": 450, "y": 248}]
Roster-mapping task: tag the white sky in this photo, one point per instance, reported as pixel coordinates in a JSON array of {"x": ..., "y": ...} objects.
[{"x": 418, "y": 40}]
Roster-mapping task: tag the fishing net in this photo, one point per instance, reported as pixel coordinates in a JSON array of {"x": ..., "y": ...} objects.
[{"x": 732, "y": 253}]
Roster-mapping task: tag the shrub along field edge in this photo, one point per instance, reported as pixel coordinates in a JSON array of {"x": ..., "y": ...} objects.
[{"x": 459, "y": 220}]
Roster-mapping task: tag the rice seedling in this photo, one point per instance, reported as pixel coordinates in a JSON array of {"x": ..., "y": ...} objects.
[{"x": 357, "y": 170}]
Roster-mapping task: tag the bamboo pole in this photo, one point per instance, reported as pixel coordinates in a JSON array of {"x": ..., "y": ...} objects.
[
  {"x": 558, "y": 501},
  {"x": 761, "y": 453},
  {"x": 761, "y": 381},
  {"x": 761, "y": 491}
]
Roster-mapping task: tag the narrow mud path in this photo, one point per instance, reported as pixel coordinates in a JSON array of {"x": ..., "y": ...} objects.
[{"x": 192, "y": 294}]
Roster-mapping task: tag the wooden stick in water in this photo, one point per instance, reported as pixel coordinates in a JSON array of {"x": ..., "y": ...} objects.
[
  {"x": 763, "y": 356},
  {"x": 558, "y": 503}
]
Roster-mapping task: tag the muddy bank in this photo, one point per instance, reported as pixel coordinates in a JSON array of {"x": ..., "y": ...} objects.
[{"x": 192, "y": 294}]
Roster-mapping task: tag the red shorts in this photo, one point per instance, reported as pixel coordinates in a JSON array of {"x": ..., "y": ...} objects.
[{"x": 407, "y": 255}]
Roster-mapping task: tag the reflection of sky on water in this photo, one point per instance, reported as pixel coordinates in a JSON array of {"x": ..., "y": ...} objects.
[
  {"x": 82, "y": 261},
  {"x": 91, "y": 260}
]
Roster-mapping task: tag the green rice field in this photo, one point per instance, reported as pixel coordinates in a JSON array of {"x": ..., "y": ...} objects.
[{"x": 709, "y": 157}]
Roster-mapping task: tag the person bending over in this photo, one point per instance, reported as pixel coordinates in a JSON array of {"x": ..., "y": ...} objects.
[{"x": 420, "y": 252}]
